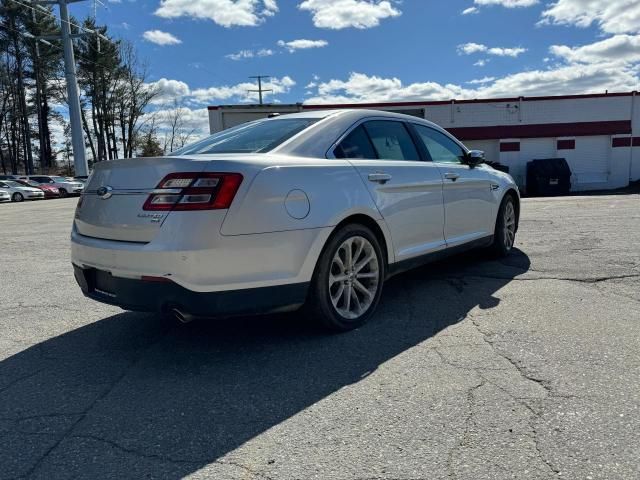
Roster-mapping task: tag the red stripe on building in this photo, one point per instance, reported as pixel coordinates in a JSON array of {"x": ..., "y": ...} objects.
[
  {"x": 566, "y": 144},
  {"x": 621, "y": 142},
  {"x": 510, "y": 147},
  {"x": 542, "y": 130}
]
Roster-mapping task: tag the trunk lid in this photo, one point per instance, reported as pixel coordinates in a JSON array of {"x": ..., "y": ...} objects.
[{"x": 112, "y": 202}]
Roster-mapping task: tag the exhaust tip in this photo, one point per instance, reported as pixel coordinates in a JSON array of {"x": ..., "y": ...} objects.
[{"x": 181, "y": 316}]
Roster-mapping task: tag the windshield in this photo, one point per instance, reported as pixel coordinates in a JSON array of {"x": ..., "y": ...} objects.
[
  {"x": 255, "y": 137},
  {"x": 60, "y": 179},
  {"x": 11, "y": 183}
]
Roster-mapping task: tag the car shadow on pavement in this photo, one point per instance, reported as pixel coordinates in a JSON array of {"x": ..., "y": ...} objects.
[{"x": 135, "y": 396}]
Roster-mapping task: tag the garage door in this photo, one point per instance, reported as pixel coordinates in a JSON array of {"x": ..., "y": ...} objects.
[
  {"x": 589, "y": 161},
  {"x": 533, "y": 148}
]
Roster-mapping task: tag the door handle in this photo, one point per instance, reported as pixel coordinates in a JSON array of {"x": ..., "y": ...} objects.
[
  {"x": 451, "y": 176},
  {"x": 379, "y": 177}
]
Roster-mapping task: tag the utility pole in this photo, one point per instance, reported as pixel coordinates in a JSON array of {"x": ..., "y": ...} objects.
[
  {"x": 260, "y": 89},
  {"x": 73, "y": 97}
]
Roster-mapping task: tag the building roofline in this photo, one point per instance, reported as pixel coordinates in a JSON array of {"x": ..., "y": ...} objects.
[{"x": 439, "y": 102}]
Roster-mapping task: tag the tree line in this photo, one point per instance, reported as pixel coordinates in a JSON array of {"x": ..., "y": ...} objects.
[{"x": 117, "y": 100}]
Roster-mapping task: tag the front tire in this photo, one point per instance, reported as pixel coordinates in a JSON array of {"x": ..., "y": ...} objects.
[
  {"x": 17, "y": 197},
  {"x": 63, "y": 192},
  {"x": 504, "y": 236},
  {"x": 347, "y": 283}
]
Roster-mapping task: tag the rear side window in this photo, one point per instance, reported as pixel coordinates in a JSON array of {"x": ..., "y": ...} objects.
[
  {"x": 440, "y": 147},
  {"x": 255, "y": 137},
  {"x": 355, "y": 145},
  {"x": 391, "y": 140}
]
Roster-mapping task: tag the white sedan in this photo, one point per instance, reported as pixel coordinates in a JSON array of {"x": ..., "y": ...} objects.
[
  {"x": 64, "y": 185},
  {"x": 315, "y": 208},
  {"x": 19, "y": 192}
]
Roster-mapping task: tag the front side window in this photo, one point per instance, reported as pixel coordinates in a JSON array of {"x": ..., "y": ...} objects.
[
  {"x": 391, "y": 140},
  {"x": 440, "y": 147},
  {"x": 254, "y": 137}
]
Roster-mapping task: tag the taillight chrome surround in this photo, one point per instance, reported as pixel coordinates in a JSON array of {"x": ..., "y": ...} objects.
[{"x": 194, "y": 191}]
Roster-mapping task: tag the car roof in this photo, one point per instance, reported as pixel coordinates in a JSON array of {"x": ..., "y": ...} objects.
[{"x": 317, "y": 139}]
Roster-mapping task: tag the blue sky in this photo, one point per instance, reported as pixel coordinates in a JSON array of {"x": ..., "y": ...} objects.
[{"x": 373, "y": 50}]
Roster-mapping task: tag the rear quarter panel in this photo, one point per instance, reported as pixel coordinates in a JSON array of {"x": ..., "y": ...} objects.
[{"x": 333, "y": 189}]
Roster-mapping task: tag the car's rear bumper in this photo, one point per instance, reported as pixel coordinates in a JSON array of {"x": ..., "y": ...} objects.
[{"x": 153, "y": 296}]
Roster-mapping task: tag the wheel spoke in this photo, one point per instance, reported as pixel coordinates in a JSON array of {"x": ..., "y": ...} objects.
[
  {"x": 358, "y": 286},
  {"x": 356, "y": 300},
  {"x": 359, "y": 250},
  {"x": 348, "y": 259},
  {"x": 367, "y": 275},
  {"x": 347, "y": 299},
  {"x": 364, "y": 262},
  {"x": 333, "y": 279},
  {"x": 336, "y": 298}
]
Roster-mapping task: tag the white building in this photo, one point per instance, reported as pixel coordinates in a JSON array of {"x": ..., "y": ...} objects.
[{"x": 598, "y": 134}]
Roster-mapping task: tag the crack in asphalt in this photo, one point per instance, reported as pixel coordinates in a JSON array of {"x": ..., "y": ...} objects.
[
  {"x": 170, "y": 459},
  {"x": 534, "y": 279},
  {"x": 66, "y": 434},
  {"x": 464, "y": 440},
  {"x": 527, "y": 376}
]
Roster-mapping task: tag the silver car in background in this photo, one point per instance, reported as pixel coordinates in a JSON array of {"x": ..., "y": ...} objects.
[
  {"x": 5, "y": 196},
  {"x": 315, "y": 208},
  {"x": 64, "y": 185},
  {"x": 20, "y": 192}
]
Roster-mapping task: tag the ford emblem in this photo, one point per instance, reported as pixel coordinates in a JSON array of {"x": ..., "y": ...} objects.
[{"x": 105, "y": 192}]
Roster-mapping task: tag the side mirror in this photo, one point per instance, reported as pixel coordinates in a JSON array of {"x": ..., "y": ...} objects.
[{"x": 474, "y": 158}]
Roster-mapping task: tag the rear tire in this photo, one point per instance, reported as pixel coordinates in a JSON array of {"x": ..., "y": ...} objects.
[
  {"x": 63, "y": 192},
  {"x": 347, "y": 283},
  {"x": 504, "y": 236},
  {"x": 17, "y": 197}
]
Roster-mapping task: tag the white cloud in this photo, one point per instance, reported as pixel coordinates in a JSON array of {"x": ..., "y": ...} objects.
[
  {"x": 481, "y": 81},
  {"x": 339, "y": 14},
  {"x": 625, "y": 48},
  {"x": 240, "y": 91},
  {"x": 572, "y": 79},
  {"x": 470, "y": 10},
  {"x": 507, "y": 3},
  {"x": 240, "y": 55},
  {"x": 481, "y": 63},
  {"x": 160, "y": 38},
  {"x": 227, "y": 13},
  {"x": 471, "y": 48},
  {"x": 244, "y": 54},
  {"x": 611, "y": 16},
  {"x": 302, "y": 44},
  {"x": 169, "y": 90}
]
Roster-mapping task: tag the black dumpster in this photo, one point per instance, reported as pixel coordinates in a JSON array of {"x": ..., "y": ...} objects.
[
  {"x": 498, "y": 166},
  {"x": 547, "y": 177}
]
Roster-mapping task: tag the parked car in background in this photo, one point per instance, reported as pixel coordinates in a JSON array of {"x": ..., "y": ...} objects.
[
  {"x": 5, "y": 196},
  {"x": 315, "y": 207},
  {"x": 63, "y": 184},
  {"x": 49, "y": 190},
  {"x": 9, "y": 177},
  {"x": 21, "y": 192}
]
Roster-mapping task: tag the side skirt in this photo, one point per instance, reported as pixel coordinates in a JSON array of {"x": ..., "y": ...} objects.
[{"x": 415, "y": 262}]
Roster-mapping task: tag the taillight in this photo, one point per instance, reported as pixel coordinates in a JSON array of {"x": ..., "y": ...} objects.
[{"x": 194, "y": 191}]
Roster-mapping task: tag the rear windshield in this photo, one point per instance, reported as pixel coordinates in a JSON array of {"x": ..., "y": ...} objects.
[{"x": 255, "y": 137}]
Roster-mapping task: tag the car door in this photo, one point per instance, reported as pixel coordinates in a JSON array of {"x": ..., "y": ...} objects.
[
  {"x": 406, "y": 189},
  {"x": 468, "y": 201}
]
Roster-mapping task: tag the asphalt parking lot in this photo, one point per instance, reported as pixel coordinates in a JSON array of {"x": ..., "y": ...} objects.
[{"x": 528, "y": 368}]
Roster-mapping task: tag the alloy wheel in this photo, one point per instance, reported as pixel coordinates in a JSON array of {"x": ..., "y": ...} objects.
[
  {"x": 509, "y": 222},
  {"x": 354, "y": 277}
]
